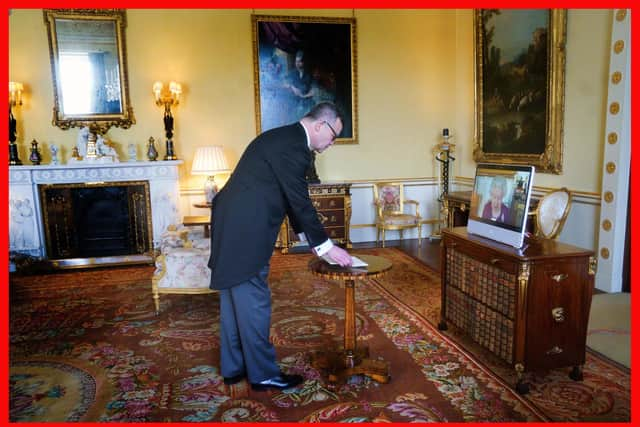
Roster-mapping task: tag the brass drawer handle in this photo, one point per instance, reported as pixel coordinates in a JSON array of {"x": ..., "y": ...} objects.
[
  {"x": 495, "y": 260},
  {"x": 555, "y": 350},
  {"x": 332, "y": 203},
  {"x": 316, "y": 204},
  {"x": 558, "y": 314},
  {"x": 559, "y": 277},
  {"x": 322, "y": 218}
]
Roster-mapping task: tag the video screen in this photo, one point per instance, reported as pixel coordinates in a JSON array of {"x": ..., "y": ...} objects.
[{"x": 500, "y": 197}]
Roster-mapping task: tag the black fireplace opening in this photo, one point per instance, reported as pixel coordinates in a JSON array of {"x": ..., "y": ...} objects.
[
  {"x": 101, "y": 217},
  {"x": 96, "y": 220}
]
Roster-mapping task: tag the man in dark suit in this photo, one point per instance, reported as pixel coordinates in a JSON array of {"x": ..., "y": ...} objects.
[{"x": 267, "y": 184}]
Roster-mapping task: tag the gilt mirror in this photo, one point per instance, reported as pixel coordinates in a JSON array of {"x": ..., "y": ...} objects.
[{"x": 89, "y": 68}]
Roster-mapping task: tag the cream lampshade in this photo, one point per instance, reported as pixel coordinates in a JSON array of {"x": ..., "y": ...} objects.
[{"x": 209, "y": 161}]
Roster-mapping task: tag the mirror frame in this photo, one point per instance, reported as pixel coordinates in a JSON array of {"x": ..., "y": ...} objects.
[{"x": 96, "y": 122}]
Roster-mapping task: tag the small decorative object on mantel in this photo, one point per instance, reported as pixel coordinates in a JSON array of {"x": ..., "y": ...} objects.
[
  {"x": 152, "y": 153},
  {"x": 105, "y": 150},
  {"x": 75, "y": 156},
  {"x": 35, "y": 156},
  {"x": 133, "y": 152},
  {"x": 53, "y": 149},
  {"x": 172, "y": 97}
]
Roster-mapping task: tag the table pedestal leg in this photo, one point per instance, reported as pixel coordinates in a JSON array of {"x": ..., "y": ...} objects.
[{"x": 351, "y": 360}]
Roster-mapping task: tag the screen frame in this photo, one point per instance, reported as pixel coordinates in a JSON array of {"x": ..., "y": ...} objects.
[{"x": 512, "y": 234}]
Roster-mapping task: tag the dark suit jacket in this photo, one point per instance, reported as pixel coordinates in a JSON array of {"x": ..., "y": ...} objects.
[{"x": 267, "y": 184}]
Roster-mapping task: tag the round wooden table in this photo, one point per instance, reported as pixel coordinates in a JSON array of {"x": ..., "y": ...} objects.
[{"x": 350, "y": 360}]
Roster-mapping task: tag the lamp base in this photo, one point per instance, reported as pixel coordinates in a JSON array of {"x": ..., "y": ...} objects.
[
  {"x": 14, "y": 160},
  {"x": 210, "y": 189}
]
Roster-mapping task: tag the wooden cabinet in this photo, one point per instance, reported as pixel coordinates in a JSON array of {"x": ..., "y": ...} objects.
[
  {"x": 333, "y": 203},
  {"x": 530, "y": 307}
]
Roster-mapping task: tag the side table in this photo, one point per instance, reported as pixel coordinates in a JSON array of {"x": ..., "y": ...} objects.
[
  {"x": 204, "y": 220},
  {"x": 350, "y": 360}
]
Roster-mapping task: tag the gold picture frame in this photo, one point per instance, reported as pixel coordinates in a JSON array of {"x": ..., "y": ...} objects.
[
  {"x": 519, "y": 87},
  {"x": 300, "y": 61}
]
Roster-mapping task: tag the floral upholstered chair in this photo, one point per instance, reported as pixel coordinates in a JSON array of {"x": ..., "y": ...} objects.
[
  {"x": 551, "y": 213},
  {"x": 181, "y": 267},
  {"x": 391, "y": 213}
]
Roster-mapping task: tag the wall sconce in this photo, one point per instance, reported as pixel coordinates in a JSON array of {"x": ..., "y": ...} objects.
[
  {"x": 15, "y": 99},
  {"x": 209, "y": 161},
  {"x": 168, "y": 98}
]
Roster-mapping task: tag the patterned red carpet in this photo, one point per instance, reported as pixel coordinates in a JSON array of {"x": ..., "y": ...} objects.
[{"x": 87, "y": 346}]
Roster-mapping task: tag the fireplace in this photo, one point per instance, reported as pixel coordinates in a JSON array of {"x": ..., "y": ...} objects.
[{"x": 102, "y": 222}]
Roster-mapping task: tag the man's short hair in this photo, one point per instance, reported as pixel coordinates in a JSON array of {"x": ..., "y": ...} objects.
[{"x": 325, "y": 111}]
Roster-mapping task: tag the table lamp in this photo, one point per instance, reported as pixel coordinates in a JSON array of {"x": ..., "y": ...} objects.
[{"x": 209, "y": 161}]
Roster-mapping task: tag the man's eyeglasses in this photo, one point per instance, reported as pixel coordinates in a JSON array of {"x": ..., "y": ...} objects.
[{"x": 335, "y": 135}]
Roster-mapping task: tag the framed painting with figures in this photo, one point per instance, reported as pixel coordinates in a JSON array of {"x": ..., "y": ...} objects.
[
  {"x": 300, "y": 61},
  {"x": 519, "y": 86}
]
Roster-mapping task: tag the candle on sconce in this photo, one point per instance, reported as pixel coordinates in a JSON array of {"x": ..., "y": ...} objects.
[
  {"x": 157, "y": 89},
  {"x": 15, "y": 93}
]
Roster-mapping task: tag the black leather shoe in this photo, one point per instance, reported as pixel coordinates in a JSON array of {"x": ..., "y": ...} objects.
[
  {"x": 281, "y": 382},
  {"x": 234, "y": 379}
]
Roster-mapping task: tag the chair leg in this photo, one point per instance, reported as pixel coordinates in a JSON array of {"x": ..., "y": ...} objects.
[
  {"x": 419, "y": 235},
  {"x": 401, "y": 234},
  {"x": 383, "y": 235},
  {"x": 156, "y": 300},
  {"x": 377, "y": 236}
]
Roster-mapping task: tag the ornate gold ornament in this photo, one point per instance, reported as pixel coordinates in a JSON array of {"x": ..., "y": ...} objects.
[
  {"x": 608, "y": 197},
  {"x": 614, "y": 108},
  {"x": 616, "y": 77},
  {"x": 621, "y": 14},
  {"x": 604, "y": 253},
  {"x": 618, "y": 46},
  {"x": 612, "y": 138},
  {"x": 606, "y": 225},
  {"x": 611, "y": 167}
]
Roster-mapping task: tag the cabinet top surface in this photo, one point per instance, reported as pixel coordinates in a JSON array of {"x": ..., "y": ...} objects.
[{"x": 533, "y": 248}]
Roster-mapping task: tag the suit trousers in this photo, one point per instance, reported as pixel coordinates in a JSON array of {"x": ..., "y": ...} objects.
[{"x": 245, "y": 320}]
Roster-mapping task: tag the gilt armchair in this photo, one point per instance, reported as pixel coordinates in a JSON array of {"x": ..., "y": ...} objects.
[{"x": 392, "y": 212}]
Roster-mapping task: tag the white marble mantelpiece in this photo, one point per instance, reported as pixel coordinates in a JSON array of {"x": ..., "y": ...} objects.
[{"x": 26, "y": 231}]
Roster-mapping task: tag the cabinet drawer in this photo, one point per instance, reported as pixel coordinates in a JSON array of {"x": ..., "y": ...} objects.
[
  {"x": 558, "y": 314},
  {"x": 323, "y": 203},
  {"x": 331, "y": 218},
  {"x": 335, "y": 232},
  {"x": 485, "y": 326},
  {"x": 487, "y": 284},
  {"x": 485, "y": 256}
]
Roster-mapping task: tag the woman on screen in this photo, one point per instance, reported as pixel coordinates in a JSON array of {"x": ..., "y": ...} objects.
[{"x": 495, "y": 209}]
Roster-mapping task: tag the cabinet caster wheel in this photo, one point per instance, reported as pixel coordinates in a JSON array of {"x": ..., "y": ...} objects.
[
  {"x": 442, "y": 326},
  {"x": 522, "y": 388},
  {"x": 576, "y": 373}
]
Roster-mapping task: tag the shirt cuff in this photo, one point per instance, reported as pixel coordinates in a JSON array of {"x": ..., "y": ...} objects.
[
  {"x": 302, "y": 237},
  {"x": 323, "y": 248}
]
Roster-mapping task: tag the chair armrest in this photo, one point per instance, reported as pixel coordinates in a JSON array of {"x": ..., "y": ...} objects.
[
  {"x": 414, "y": 202},
  {"x": 378, "y": 208}
]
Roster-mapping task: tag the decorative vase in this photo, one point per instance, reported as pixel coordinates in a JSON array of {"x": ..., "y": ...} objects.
[
  {"x": 35, "y": 156},
  {"x": 152, "y": 153}
]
